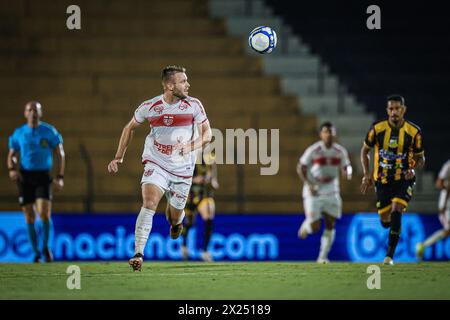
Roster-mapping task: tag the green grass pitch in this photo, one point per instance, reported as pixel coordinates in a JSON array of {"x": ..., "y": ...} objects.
[{"x": 241, "y": 280}]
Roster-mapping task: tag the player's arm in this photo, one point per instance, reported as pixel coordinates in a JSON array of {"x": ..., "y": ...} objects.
[
  {"x": 418, "y": 157},
  {"x": 368, "y": 144},
  {"x": 418, "y": 163},
  {"x": 347, "y": 170},
  {"x": 61, "y": 165},
  {"x": 419, "y": 160},
  {"x": 441, "y": 180},
  {"x": 419, "y": 153},
  {"x": 447, "y": 196},
  {"x": 365, "y": 162},
  {"x": 205, "y": 137},
  {"x": 444, "y": 175},
  {"x": 12, "y": 164},
  {"x": 125, "y": 139},
  {"x": 440, "y": 184},
  {"x": 302, "y": 171}
]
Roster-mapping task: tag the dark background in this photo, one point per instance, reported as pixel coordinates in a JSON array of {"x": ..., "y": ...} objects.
[{"x": 410, "y": 56}]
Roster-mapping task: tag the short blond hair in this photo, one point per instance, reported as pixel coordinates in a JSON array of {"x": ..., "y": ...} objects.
[{"x": 169, "y": 71}]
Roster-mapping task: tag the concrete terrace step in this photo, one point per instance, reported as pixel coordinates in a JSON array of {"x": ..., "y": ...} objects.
[
  {"x": 223, "y": 8},
  {"x": 130, "y": 65},
  {"x": 234, "y": 86},
  {"x": 102, "y": 8},
  {"x": 90, "y": 82},
  {"x": 293, "y": 65},
  {"x": 101, "y": 26},
  {"x": 310, "y": 85},
  {"x": 135, "y": 85},
  {"x": 331, "y": 105},
  {"x": 350, "y": 124},
  {"x": 122, "y": 46}
]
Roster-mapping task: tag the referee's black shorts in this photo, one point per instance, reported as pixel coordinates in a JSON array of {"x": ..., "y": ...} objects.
[
  {"x": 400, "y": 191},
  {"x": 33, "y": 185}
]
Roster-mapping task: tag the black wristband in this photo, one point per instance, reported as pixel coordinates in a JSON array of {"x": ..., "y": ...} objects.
[
  {"x": 59, "y": 176},
  {"x": 12, "y": 169}
]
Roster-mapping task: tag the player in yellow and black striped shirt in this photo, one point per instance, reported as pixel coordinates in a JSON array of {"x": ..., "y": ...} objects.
[
  {"x": 201, "y": 200},
  {"x": 398, "y": 151}
]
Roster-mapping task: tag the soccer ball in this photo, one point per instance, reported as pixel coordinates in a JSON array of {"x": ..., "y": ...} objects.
[{"x": 262, "y": 39}]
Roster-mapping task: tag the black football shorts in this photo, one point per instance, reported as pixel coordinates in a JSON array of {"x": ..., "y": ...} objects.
[
  {"x": 33, "y": 185},
  {"x": 400, "y": 191}
]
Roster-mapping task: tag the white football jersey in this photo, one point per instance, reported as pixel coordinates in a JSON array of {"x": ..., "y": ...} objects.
[
  {"x": 444, "y": 174},
  {"x": 170, "y": 124},
  {"x": 324, "y": 167}
]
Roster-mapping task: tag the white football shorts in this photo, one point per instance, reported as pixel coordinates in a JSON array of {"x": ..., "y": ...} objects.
[
  {"x": 176, "y": 189},
  {"x": 315, "y": 206}
]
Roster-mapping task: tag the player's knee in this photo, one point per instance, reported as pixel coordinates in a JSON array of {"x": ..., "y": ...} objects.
[
  {"x": 150, "y": 204},
  {"x": 396, "y": 220},
  {"x": 209, "y": 223},
  {"x": 29, "y": 219},
  {"x": 386, "y": 224},
  {"x": 211, "y": 207},
  {"x": 315, "y": 226},
  {"x": 397, "y": 207},
  {"x": 329, "y": 223},
  {"x": 385, "y": 216},
  {"x": 30, "y": 216},
  {"x": 206, "y": 215},
  {"x": 44, "y": 215}
]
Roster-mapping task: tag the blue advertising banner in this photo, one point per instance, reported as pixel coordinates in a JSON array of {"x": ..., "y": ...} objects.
[{"x": 359, "y": 237}]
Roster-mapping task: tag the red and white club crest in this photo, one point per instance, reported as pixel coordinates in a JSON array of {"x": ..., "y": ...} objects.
[
  {"x": 159, "y": 109},
  {"x": 148, "y": 173},
  {"x": 183, "y": 106},
  {"x": 168, "y": 120}
]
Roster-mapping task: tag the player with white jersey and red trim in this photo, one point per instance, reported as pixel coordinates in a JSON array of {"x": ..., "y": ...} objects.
[
  {"x": 179, "y": 126},
  {"x": 442, "y": 183},
  {"x": 319, "y": 168}
]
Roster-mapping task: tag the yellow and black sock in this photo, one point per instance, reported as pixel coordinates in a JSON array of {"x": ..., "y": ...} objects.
[
  {"x": 394, "y": 233},
  {"x": 208, "y": 233},
  {"x": 185, "y": 233}
]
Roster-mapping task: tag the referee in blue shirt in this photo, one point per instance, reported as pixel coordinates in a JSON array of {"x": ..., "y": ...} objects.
[{"x": 30, "y": 160}]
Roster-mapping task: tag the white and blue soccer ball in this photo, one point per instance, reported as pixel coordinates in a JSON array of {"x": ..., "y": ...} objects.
[{"x": 262, "y": 39}]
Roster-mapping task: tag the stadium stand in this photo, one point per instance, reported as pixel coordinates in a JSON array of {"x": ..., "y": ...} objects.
[
  {"x": 407, "y": 58},
  {"x": 344, "y": 73},
  {"x": 90, "y": 81}
]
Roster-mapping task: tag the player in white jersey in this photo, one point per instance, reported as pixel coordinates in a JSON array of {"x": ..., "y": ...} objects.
[
  {"x": 443, "y": 183},
  {"x": 319, "y": 167},
  {"x": 178, "y": 127}
]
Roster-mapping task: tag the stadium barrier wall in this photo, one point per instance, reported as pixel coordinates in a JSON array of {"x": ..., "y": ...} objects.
[{"x": 359, "y": 238}]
